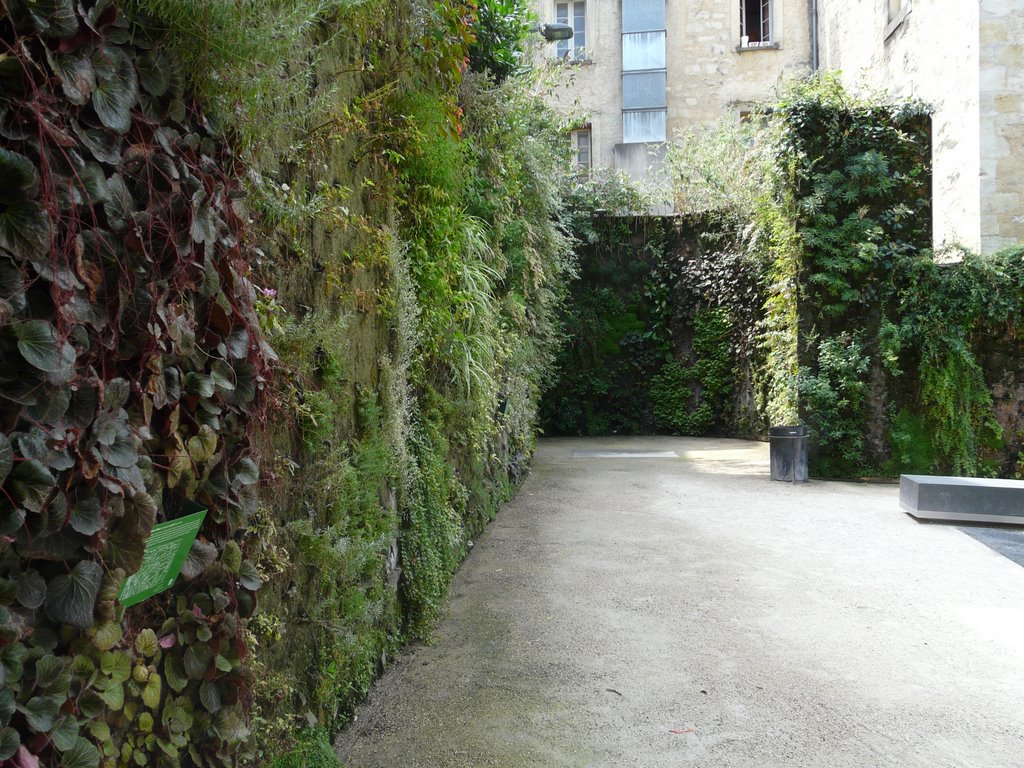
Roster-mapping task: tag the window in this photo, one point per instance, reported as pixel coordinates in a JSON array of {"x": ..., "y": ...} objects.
[
  {"x": 896, "y": 14},
  {"x": 574, "y": 13},
  {"x": 643, "y": 125},
  {"x": 643, "y": 71},
  {"x": 756, "y": 27},
  {"x": 643, "y": 15},
  {"x": 581, "y": 148},
  {"x": 643, "y": 50},
  {"x": 643, "y": 90}
]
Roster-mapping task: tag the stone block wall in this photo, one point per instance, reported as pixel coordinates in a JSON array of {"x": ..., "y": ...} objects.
[
  {"x": 708, "y": 77},
  {"x": 1002, "y": 123}
]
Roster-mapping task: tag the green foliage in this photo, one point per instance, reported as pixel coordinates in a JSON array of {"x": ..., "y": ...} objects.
[
  {"x": 911, "y": 445},
  {"x": 432, "y": 532},
  {"x": 690, "y": 400},
  {"x": 312, "y": 751},
  {"x": 831, "y": 233},
  {"x": 724, "y": 171},
  {"x": 501, "y": 31},
  {"x": 412, "y": 244},
  {"x": 249, "y": 62},
  {"x": 957, "y": 406},
  {"x": 834, "y": 397},
  {"x": 133, "y": 369},
  {"x": 615, "y": 334}
]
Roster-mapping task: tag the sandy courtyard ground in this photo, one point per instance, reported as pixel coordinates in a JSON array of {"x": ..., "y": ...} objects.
[{"x": 686, "y": 611}]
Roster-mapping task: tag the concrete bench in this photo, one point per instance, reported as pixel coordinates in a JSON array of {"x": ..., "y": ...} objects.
[{"x": 964, "y": 499}]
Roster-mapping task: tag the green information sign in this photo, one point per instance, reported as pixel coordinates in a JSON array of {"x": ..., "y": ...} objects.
[{"x": 166, "y": 550}]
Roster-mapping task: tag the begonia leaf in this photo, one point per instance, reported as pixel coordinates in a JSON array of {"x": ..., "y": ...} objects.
[
  {"x": 83, "y": 754},
  {"x": 65, "y": 734},
  {"x": 9, "y": 742},
  {"x": 31, "y": 589},
  {"x": 6, "y": 457},
  {"x": 76, "y": 74},
  {"x": 200, "y": 557},
  {"x": 25, "y": 229},
  {"x": 42, "y": 348},
  {"x": 87, "y": 515},
  {"x": 116, "y": 89},
  {"x": 31, "y": 484},
  {"x": 18, "y": 178},
  {"x": 70, "y": 597},
  {"x": 41, "y": 712}
]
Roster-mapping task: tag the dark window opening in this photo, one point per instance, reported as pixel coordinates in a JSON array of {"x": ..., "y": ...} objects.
[{"x": 756, "y": 22}]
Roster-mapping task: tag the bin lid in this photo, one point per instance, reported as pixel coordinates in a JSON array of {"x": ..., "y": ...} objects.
[{"x": 787, "y": 432}]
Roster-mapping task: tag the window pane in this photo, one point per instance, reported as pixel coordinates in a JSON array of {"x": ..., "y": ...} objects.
[
  {"x": 643, "y": 126},
  {"x": 643, "y": 50},
  {"x": 583, "y": 148},
  {"x": 643, "y": 15},
  {"x": 756, "y": 20},
  {"x": 562, "y": 17},
  {"x": 643, "y": 90},
  {"x": 579, "y": 26}
]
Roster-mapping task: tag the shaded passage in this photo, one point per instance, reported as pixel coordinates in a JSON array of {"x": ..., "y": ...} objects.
[{"x": 662, "y": 612}]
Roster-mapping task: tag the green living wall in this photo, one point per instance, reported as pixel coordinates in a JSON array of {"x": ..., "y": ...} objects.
[
  {"x": 294, "y": 261},
  {"x": 798, "y": 285},
  {"x": 644, "y": 353}
]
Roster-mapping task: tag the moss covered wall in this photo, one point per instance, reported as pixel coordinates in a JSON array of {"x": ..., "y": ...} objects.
[{"x": 310, "y": 235}]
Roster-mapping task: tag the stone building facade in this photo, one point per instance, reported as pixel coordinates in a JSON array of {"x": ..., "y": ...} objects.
[
  {"x": 686, "y": 58},
  {"x": 966, "y": 59},
  {"x": 638, "y": 70}
]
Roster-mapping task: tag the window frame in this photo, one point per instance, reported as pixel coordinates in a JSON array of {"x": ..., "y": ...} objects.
[
  {"x": 660, "y": 62},
  {"x": 578, "y": 50},
  {"x": 659, "y": 139},
  {"x": 574, "y": 137},
  {"x": 895, "y": 16},
  {"x": 765, "y": 22}
]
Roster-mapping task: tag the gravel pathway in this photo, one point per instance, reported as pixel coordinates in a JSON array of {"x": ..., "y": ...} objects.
[{"x": 685, "y": 611}]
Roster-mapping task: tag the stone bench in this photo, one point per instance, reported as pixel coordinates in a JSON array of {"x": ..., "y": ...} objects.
[{"x": 963, "y": 499}]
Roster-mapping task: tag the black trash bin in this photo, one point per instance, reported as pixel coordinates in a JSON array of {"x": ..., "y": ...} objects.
[{"x": 788, "y": 449}]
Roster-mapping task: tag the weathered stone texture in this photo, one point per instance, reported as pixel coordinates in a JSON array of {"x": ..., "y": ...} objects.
[
  {"x": 708, "y": 78},
  {"x": 1002, "y": 124}
]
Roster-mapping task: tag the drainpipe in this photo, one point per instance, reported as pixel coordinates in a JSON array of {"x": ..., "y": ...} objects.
[{"x": 814, "y": 35}]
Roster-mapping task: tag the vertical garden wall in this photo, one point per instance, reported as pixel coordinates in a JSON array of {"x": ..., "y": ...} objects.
[
  {"x": 798, "y": 284},
  {"x": 292, "y": 261}
]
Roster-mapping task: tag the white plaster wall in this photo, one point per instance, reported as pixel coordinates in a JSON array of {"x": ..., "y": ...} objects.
[
  {"x": 932, "y": 55},
  {"x": 592, "y": 89},
  {"x": 1002, "y": 123}
]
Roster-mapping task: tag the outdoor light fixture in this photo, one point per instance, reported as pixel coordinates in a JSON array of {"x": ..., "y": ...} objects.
[{"x": 555, "y": 31}]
